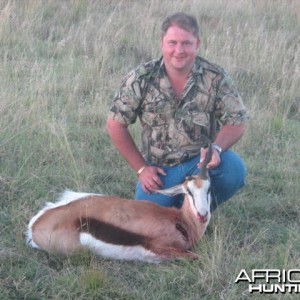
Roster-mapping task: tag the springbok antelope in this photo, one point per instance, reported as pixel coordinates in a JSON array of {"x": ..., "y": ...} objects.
[{"x": 125, "y": 229}]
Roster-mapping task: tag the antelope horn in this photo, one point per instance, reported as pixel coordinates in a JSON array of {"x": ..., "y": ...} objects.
[{"x": 203, "y": 173}]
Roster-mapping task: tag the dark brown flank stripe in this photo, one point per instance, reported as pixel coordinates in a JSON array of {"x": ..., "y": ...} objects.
[{"x": 109, "y": 233}]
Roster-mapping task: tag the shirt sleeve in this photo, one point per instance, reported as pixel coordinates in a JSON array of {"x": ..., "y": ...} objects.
[
  {"x": 126, "y": 103},
  {"x": 230, "y": 108}
]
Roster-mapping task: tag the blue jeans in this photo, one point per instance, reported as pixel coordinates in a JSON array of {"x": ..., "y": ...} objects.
[{"x": 226, "y": 180}]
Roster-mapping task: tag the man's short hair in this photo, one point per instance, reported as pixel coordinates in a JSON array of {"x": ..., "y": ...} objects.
[{"x": 183, "y": 21}]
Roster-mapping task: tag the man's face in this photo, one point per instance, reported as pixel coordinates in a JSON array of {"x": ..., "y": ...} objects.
[{"x": 179, "y": 49}]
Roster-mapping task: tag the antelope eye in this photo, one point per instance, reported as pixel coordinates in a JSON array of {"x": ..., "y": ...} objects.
[{"x": 189, "y": 192}]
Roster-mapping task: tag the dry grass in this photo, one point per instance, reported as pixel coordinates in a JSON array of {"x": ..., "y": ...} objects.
[{"x": 62, "y": 62}]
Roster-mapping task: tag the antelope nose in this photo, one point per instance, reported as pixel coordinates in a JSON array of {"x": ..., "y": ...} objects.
[{"x": 203, "y": 218}]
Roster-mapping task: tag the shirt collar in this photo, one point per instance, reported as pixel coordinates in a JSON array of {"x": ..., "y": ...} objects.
[{"x": 197, "y": 68}]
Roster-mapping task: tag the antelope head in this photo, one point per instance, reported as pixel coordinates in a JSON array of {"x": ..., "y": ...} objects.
[{"x": 197, "y": 191}]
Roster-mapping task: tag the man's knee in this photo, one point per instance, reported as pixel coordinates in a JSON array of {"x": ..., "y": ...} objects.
[{"x": 228, "y": 178}]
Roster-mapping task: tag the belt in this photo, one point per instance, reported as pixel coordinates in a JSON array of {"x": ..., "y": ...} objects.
[{"x": 175, "y": 161}]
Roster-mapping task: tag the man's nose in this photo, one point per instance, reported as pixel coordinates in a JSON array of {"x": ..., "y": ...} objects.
[{"x": 179, "y": 48}]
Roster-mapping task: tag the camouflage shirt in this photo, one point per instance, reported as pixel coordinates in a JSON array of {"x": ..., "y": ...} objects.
[{"x": 173, "y": 128}]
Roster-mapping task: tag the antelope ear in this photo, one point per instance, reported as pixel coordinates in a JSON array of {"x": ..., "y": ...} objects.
[{"x": 173, "y": 191}]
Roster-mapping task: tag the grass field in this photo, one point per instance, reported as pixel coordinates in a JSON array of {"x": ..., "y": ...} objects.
[{"x": 62, "y": 62}]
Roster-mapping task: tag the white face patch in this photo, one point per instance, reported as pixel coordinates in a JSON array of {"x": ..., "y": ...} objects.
[
  {"x": 118, "y": 251},
  {"x": 200, "y": 199}
]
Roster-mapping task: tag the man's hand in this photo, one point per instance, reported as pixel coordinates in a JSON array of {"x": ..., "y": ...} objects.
[
  {"x": 215, "y": 159},
  {"x": 150, "y": 179},
  {"x": 227, "y": 137}
]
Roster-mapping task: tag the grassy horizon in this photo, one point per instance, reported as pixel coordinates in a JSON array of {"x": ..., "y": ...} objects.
[{"x": 61, "y": 64}]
